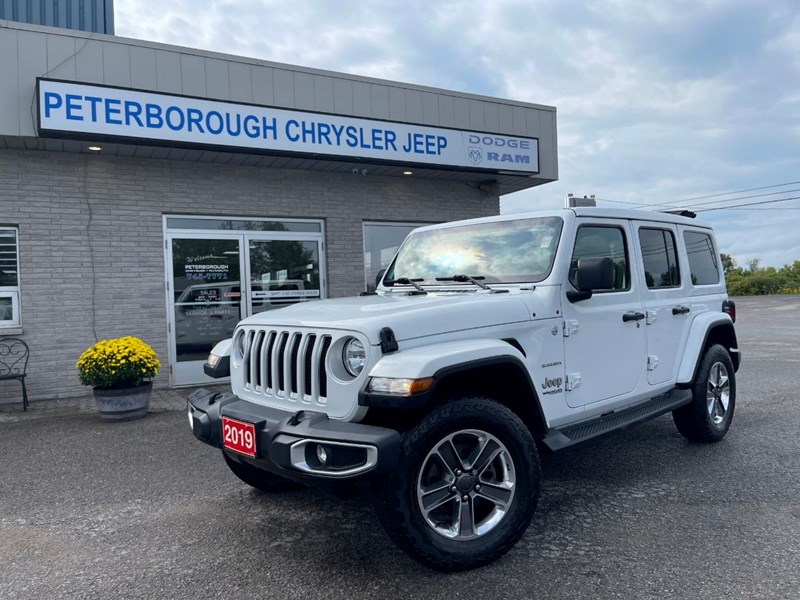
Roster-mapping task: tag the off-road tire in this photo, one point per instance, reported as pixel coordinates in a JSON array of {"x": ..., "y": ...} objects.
[
  {"x": 261, "y": 480},
  {"x": 694, "y": 421},
  {"x": 397, "y": 506}
]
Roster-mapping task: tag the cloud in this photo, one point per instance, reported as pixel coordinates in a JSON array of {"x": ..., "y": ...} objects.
[{"x": 657, "y": 101}]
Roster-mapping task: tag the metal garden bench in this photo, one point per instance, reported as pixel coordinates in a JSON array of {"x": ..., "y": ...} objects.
[{"x": 14, "y": 363}]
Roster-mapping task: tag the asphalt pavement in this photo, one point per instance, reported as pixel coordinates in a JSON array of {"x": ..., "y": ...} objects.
[{"x": 141, "y": 510}]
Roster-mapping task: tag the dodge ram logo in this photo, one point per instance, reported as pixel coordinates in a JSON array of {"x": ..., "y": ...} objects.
[{"x": 475, "y": 155}]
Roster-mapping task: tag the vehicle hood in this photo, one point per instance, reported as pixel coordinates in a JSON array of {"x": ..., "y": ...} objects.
[{"x": 409, "y": 316}]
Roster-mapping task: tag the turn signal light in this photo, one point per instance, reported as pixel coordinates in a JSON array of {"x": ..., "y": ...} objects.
[
  {"x": 400, "y": 386},
  {"x": 421, "y": 385}
]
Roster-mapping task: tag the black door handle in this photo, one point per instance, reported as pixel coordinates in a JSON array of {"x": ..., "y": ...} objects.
[
  {"x": 680, "y": 310},
  {"x": 633, "y": 316}
]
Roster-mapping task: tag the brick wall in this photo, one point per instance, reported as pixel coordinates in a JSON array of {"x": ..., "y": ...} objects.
[{"x": 92, "y": 251}]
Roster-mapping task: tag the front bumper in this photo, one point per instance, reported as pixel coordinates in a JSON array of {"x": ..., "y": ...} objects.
[{"x": 286, "y": 442}]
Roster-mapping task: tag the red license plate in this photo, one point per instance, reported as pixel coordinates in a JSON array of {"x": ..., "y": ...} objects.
[{"x": 239, "y": 436}]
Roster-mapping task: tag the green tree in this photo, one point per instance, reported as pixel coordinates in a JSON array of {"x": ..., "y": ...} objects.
[
  {"x": 758, "y": 281},
  {"x": 728, "y": 263}
]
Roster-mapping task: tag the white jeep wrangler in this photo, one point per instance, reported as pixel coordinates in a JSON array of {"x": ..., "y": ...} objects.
[{"x": 486, "y": 340}]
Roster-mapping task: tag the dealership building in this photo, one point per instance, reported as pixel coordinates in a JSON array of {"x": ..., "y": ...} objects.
[{"x": 168, "y": 192}]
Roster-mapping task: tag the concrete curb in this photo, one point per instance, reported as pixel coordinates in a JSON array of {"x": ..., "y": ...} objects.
[{"x": 163, "y": 400}]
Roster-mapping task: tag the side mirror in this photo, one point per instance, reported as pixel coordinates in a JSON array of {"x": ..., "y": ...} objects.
[
  {"x": 593, "y": 274},
  {"x": 379, "y": 276}
]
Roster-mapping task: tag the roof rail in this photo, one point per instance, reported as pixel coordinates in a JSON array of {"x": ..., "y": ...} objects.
[{"x": 682, "y": 212}]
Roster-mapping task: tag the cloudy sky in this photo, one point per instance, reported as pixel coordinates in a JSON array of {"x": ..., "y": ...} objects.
[{"x": 658, "y": 102}]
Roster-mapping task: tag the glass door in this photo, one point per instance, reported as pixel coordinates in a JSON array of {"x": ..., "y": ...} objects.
[
  {"x": 206, "y": 300},
  {"x": 282, "y": 272},
  {"x": 221, "y": 270}
]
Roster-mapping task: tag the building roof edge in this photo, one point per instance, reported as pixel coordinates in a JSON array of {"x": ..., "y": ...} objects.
[{"x": 265, "y": 63}]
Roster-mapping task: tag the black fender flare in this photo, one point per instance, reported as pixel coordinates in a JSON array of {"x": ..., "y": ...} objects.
[{"x": 525, "y": 403}]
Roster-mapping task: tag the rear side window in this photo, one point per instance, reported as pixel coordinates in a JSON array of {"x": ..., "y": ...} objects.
[
  {"x": 702, "y": 258},
  {"x": 598, "y": 241},
  {"x": 660, "y": 258}
]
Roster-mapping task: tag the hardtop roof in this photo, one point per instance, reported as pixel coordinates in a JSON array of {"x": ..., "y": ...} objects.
[
  {"x": 608, "y": 213},
  {"x": 637, "y": 215}
]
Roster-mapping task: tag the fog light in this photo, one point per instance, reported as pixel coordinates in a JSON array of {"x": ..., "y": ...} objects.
[
  {"x": 322, "y": 455},
  {"x": 191, "y": 419}
]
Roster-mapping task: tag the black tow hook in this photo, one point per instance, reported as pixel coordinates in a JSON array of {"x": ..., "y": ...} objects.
[{"x": 294, "y": 420}]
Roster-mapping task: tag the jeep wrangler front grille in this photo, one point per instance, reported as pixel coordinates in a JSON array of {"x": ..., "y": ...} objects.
[{"x": 287, "y": 364}]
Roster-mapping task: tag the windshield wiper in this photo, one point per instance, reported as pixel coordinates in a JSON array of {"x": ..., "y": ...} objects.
[
  {"x": 473, "y": 280},
  {"x": 406, "y": 281}
]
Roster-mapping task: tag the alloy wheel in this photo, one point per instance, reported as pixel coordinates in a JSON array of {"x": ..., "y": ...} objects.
[
  {"x": 466, "y": 485},
  {"x": 718, "y": 393}
]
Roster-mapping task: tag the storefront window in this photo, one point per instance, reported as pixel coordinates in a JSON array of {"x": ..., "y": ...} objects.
[
  {"x": 9, "y": 278},
  {"x": 202, "y": 223},
  {"x": 283, "y": 272},
  {"x": 381, "y": 241}
]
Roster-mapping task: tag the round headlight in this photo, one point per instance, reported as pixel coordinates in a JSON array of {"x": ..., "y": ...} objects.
[{"x": 354, "y": 357}]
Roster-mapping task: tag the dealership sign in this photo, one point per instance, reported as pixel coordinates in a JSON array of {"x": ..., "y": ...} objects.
[{"x": 81, "y": 110}]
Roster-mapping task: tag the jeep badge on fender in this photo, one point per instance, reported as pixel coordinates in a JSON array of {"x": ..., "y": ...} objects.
[{"x": 485, "y": 338}]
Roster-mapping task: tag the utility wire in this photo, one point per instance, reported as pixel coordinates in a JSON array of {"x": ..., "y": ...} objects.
[
  {"x": 624, "y": 202},
  {"x": 682, "y": 203},
  {"x": 741, "y": 198},
  {"x": 767, "y": 208},
  {"x": 755, "y": 189},
  {"x": 748, "y": 204}
]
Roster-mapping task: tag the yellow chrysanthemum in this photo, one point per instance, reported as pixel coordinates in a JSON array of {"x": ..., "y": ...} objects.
[{"x": 120, "y": 362}]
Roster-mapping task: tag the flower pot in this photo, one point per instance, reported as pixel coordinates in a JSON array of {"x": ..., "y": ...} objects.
[{"x": 123, "y": 404}]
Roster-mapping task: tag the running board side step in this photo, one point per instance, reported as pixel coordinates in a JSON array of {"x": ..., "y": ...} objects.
[{"x": 571, "y": 435}]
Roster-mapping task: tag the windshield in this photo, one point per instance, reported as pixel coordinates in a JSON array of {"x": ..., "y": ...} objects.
[{"x": 518, "y": 251}]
